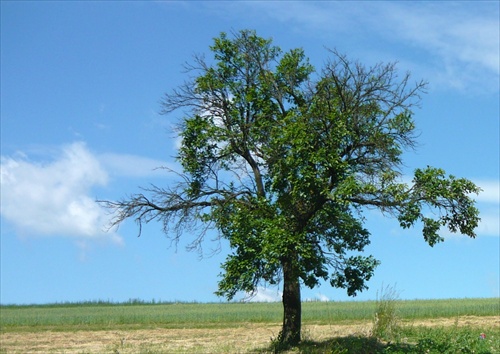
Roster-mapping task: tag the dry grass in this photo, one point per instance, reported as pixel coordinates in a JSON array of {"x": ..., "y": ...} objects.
[
  {"x": 244, "y": 338},
  {"x": 462, "y": 321}
]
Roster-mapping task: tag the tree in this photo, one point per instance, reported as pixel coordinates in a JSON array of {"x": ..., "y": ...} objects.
[{"x": 282, "y": 160}]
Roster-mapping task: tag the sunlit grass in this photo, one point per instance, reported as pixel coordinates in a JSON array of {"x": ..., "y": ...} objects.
[
  {"x": 423, "y": 341},
  {"x": 136, "y": 314},
  {"x": 424, "y": 326}
]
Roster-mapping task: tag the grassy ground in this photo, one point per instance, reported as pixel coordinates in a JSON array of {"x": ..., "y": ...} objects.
[
  {"x": 433, "y": 326},
  {"x": 102, "y": 315}
]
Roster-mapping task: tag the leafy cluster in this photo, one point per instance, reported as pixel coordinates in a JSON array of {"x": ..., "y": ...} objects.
[{"x": 282, "y": 159}]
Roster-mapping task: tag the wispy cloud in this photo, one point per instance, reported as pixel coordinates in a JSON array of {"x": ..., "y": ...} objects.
[
  {"x": 132, "y": 165},
  {"x": 454, "y": 44},
  {"x": 490, "y": 223},
  {"x": 489, "y": 206},
  {"x": 490, "y": 191},
  {"x": 460, "y": 39}
]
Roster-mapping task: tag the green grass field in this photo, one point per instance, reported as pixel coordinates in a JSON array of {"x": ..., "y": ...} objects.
[
  {"x": 99, "y": 315},
  {"x": 214, "y": 318}
]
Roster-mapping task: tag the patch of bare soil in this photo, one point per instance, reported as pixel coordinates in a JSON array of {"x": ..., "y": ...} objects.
[{"x": 242, "y": 339}]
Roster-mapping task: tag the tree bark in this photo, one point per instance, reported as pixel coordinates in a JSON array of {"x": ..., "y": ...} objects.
[{"x": 292, "y": 308}]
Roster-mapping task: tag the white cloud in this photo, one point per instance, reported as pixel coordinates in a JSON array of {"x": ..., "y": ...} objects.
[
  {"x": 52, "y": 198},
  {"x": 490, "y": 191},
  {"x": 490, "y": 222},
  {"x": 264, "y": 295},
  {"x": 322, "y": 297},
  {"x": 461, "y": 40},
  {"x": 452, "y": 44},
  {"x": 489, "y": 207},
  {"x": 318, "y": 297}
]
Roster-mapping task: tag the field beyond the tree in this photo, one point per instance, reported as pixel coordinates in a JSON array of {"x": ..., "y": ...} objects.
[{"x": 423, "y": 326}]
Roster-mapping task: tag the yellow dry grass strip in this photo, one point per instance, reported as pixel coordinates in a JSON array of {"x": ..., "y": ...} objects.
[
  {"x": 462, "y": 321},
  {"x": 157, "y": 340},
  {"x": 244, "y": 338}
]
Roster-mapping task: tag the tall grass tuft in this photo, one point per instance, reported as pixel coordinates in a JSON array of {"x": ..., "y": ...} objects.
[{"x": 386, "y": 324}]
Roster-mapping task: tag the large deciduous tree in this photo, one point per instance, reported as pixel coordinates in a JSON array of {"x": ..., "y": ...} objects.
[{"x": 282, "y": 160}]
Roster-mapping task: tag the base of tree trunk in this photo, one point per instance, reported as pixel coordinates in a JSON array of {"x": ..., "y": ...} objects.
[
  {"x": 287, "y": 340},
  {"x": 292, "y": 307}
]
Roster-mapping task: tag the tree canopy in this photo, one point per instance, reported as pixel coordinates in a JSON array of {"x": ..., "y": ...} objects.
[{"x": 282, "y": 159}]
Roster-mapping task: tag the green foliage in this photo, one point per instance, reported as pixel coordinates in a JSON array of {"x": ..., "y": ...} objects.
[
  {"x": 453, "y": 340},
  {"x": 308, "y": 155},
  {"x": 282, "y": 160},
  {"x": 449, "y": 195},
  {"x": 431, "y": 341}
]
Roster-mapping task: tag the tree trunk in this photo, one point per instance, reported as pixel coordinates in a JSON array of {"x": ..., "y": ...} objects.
[{"x": 290, "y": 334}]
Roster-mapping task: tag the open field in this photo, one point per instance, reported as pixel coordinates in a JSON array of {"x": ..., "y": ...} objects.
[{"x": 433, "y": 326}]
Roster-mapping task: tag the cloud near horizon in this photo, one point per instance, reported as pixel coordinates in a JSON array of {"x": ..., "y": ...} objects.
[{"x": 263, "y": 294}]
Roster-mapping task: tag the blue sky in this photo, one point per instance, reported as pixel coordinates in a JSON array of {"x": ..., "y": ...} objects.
[{"x": 80, "y": 89}]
